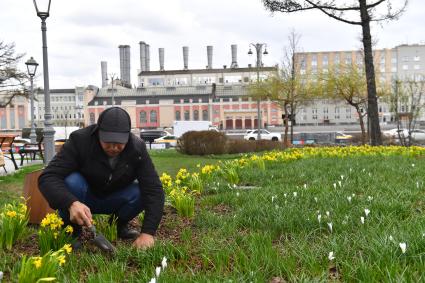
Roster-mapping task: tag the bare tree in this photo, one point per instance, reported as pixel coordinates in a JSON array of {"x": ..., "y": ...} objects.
[
  {"x": 407, "y": 102},
  {"x": 355, "y": 12},
  {"x": 287, "y": 87},
  {"x": 12, "y": 80}
]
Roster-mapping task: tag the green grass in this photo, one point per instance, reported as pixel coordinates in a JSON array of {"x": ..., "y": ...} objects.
[{"x": 244, "y": 236}]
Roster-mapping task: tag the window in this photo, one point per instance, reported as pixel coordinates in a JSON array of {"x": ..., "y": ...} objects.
[
  {"x": 405, "y": 67},
  {"x": 196, "y": 115},
  {"x": 92, "y": 119},
  {"x": 178, "y": 115},
  {"x": 325, "y": 60},
  {"x": 186, "y": 115},
  {"x": 416, "y": 67},
  {"x": 405, "y": 59},
  {"x": 142, "y": 116},
  {"x": 416, "y": 58},
  {"x": 153, "y": 118},
  {"x": 205, "y": 115}
]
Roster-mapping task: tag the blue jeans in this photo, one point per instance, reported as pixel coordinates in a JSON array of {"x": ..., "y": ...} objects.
[{"x": 125, "y": 204}]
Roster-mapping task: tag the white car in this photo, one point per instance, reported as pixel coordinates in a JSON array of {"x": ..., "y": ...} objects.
[
  {"x": 168, "y": 139},
  {"x": 393, "y": 133},
  {"x": 265, "y": 135}
]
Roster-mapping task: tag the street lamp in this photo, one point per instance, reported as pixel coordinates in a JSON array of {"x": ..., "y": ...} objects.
[
  {"x": 32, "y": 68},
  {"x": 43, "y": 9},
  {"x": 258, "y": 48}
]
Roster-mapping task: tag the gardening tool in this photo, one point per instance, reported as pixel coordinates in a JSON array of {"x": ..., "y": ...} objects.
[{"x": 101, "y": 242}]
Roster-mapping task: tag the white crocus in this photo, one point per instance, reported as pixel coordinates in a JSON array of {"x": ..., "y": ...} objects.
[
  {"x": 349, "y": 199},
  {"x": 328, "y": 213},
  {"x": 334, "y": 185},
  {"x": 284, "y": 195},
  {"x": 370, "y": 175},
  {"x": 351, "y": 170},
  {"x": 164, "y": 262},
  {"x": 319, "y": 217},
  {"x": 403, "y": 247},
  {"x": 366, "y": 212},
  {"x": 417, "y": 185},
  {"x": 362, "y": 219},
  {"x": 391, "y": 238},
  {"x": 272, "y": 198},
  {"x": 157, "y": 271},
  {"x": 413, "y": 164},
  {"x": 369, "y": 198},
  {"x": 315, "y": 199},
  {"x": 1, "y": 275},
  {"x": 330, "y": 226},
  {"x": 331, "y": 256},
  {"x": 295, "y": 194},
  {"x": 339, "y": 183},
  {"x": 423, "y": 235},
  {"x": 342, "y": 177},
  {"x": 237, "y": 194},
  {"x": 153, "y": 280},
  {"x": 305, "y": 186}
]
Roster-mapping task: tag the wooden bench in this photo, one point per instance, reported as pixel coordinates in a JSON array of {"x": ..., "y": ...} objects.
[
  {"x": 7, "y": 147},
  {"x": 31, "y": 149}
]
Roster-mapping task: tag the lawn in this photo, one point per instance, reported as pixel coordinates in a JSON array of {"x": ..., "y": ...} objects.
[{"x": 312, "y": 219}]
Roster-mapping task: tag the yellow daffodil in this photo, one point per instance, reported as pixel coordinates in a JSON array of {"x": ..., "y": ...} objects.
[
  {"x": 11, "y": 213},
  {"x": 69, "y": 229},
  {"x": 67, "y": 248},
  {"x": 37, "y": 262}
]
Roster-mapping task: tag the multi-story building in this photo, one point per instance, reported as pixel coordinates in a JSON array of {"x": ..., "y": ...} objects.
[
  {"x": 221, "y": 94},
  {"x": 13, "y": 117},
  {"x": 67, "y": 106},
  {"x": 402, "y": 62},
  {"x": 216, "y": 94}
]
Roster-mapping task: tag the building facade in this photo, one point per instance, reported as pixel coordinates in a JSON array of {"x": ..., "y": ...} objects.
[
  {"x": 67, "y": 107},
  {"x": 221, "y": 94},
  {"x": 15, "y": 115}
]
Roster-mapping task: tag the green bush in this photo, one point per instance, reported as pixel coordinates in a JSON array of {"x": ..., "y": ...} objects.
[{"x": 202, "y": 143}]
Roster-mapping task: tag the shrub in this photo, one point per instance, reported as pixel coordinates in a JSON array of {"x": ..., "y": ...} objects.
[
  {"x": 202, "y": 143},
  {"x": 13, "y": 224}
]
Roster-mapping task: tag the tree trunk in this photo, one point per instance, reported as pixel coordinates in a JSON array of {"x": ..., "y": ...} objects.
[
  {"x": 372, "y": 108},
  {"x": 362, "y": 127},
  {"x": 285, "y": 122}
]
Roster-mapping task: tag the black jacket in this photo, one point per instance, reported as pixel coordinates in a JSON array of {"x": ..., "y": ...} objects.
[{"x": 82, "y": 153}]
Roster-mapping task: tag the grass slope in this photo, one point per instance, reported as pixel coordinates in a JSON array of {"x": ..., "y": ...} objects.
[{"x": 273, "y": 232}]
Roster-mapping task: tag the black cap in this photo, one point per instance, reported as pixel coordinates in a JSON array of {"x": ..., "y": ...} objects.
[{"x": 114, "y": 125}]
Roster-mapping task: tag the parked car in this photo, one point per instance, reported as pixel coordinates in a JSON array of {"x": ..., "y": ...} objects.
[
  {"x": 169, "y": 139},
  {"x": 149, "y": 136},
  {"x": 393, "y": 133},
  {"x": 341, "y": 137},
  {"x": 265, "y": 135},
  {"x": 418, "y": 135}
]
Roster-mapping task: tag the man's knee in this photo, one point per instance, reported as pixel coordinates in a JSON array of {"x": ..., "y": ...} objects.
[
  {"x": 77, "y": 185},
  {"x": 132, "y": 194}
]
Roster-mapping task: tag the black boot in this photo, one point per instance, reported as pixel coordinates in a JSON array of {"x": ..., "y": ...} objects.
[{"x": 126, "y": 233}]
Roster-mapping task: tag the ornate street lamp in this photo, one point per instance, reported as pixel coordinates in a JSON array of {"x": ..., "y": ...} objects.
[
  {"x": 258, "y": 48},
  {"x": 42, "y": 8},
  {"x": 32, "y": 68}
]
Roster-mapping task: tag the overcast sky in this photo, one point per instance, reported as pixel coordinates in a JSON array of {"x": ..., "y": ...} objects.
[{"x": 81, "y": 33}]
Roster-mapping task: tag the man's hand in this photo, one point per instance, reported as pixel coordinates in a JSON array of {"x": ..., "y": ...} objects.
[
  {"x": 79, "y": 213},
  {"x": 144, "y": 241}
]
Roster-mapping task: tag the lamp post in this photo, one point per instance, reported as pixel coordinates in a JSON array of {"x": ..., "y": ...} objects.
[
  {"x": 43, "y": 9},
  {"x": 32, "y": 68},
  {"x": 258, "y": 48}
]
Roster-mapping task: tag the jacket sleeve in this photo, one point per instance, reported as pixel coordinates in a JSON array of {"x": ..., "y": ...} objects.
[
  {"x": 152, "y": 192},
  {"x": 52, "y": 181}
]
